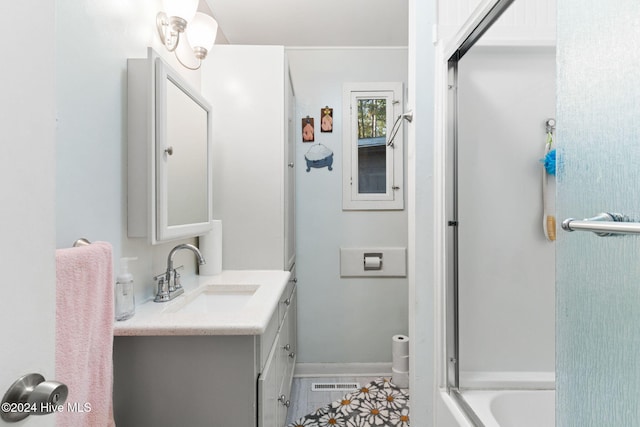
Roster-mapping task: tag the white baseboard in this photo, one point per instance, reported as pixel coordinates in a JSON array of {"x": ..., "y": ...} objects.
[{"x": 342, "y": 370}]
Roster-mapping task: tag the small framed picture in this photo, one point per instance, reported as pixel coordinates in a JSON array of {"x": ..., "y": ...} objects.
[
  {"x": 326, "y": 120},
  {"x": 307, "y": 129}
]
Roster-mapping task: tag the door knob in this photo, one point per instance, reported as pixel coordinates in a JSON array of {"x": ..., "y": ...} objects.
[{"x": 32, "y": 395}]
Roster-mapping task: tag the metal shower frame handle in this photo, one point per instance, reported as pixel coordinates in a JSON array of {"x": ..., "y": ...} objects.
[{"x": 604, "y": 224}]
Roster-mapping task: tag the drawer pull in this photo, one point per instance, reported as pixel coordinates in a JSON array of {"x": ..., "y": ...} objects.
[
  {"x": 283, "y": 399},
  {"x": 287, "y": 347},
  {"x": 287, "y": 301},
  {"x": 292, "y": 354}
]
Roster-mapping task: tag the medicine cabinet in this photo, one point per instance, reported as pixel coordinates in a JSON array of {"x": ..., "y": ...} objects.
[{"x": 169, "y": 154}]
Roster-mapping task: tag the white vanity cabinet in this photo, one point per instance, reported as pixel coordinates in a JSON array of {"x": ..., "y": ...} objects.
[
  {"x": 221, "y": 380},
  {"x": 274, "y": 383},
  {"x": 253, "y": 110}
]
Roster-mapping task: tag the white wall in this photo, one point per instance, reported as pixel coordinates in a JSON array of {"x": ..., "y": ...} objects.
[
  {"x": 506, "y": 266},
  {"x": 93, "y": 42},
  {"x": 341, "y": 320},
  {"x": 421, "y": 206}
]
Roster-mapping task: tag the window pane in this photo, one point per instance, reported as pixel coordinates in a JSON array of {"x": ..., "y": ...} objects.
[{"x": 372, "y": 138}]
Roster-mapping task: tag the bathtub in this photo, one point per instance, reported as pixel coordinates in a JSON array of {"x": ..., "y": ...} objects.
[{"x": 513, "y": 408}]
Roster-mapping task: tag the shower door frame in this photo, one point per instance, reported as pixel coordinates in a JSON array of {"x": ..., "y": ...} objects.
[{"x": 485, "y": 15}]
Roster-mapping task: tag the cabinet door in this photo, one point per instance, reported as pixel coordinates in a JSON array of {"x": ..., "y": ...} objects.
[
  {"x": 289, "y": 176},
  {"x": 287, "y": 350},
  {"x": 248, "y": 175},
  {"x": 292, "y": 326},
  {"x": 282, "y": 351},
  {"x": 268, "y": 387}
]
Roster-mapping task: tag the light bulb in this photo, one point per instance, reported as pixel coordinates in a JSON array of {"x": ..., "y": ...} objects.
[{"x": 201, "y": 33}]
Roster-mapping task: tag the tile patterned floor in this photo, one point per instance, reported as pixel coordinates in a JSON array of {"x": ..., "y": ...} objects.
[
  {"x": 304, "y": 401},
  {"x": 376, "y": 403}
]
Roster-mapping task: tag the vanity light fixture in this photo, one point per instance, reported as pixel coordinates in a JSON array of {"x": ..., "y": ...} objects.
[{"x": 179, "y": 17}]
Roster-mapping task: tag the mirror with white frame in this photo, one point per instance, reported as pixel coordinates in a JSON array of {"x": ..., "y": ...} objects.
[
  {"x": 170, "y": 189},
  {"x": 182, "y": 157}
]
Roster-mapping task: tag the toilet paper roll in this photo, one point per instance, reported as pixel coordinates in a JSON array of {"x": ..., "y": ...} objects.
[
  {"x": 211, "y": 249},
  {"x": 400, "y": 360},
  {"x": 400, "y": 345},
  {"x": 400, "y": 363},
  {"x": 372, "y": 263},
  {"x": 400, "y": 379}
]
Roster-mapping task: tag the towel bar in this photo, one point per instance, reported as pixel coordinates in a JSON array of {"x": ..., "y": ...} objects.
[
  {"x": 81, "y": 242},
  {"x": 604, "y": 224}
]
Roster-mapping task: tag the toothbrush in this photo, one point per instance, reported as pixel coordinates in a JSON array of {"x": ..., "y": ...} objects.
[{"x": 548, "y": 220}]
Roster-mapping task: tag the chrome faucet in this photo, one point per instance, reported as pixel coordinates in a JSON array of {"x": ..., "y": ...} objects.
[{"x": 169, "y": 285}]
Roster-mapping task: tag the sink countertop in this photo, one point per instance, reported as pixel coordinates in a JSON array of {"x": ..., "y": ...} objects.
[{"x": 153, "y": 318}]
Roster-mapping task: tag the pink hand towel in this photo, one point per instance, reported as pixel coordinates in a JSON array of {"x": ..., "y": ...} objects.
[{"x": 84, "y": 334}]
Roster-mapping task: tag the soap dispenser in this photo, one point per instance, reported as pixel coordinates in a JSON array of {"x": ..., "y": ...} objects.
[{"x": 125, "y": 302}]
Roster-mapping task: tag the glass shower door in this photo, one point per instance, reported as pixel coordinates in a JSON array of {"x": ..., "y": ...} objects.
[{"x": 598, "y": 278}]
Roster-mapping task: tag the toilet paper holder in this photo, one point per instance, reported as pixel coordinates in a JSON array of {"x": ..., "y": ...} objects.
[
  {"x": 372, "y": 261},
  {"x": 32, "y": 395}
]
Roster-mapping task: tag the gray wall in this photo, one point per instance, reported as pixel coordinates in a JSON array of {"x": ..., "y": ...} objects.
[
  {"x": 342, "y": 320},
  {"x": 506, "y": 266}
]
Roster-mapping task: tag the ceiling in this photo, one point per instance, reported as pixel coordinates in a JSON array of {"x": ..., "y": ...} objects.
[{"x": 312, "y": 22}]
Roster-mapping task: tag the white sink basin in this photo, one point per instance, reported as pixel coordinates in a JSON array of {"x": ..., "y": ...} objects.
[{"x": 215, "y": 299}]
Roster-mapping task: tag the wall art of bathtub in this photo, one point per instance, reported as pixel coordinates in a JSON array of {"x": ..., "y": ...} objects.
[{"x": 319, "y": 156}]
